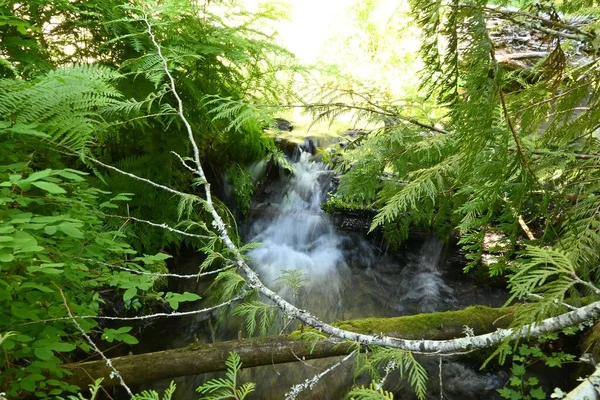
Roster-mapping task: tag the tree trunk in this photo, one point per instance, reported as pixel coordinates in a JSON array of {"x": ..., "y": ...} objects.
[{"x": 202, "y": 358}]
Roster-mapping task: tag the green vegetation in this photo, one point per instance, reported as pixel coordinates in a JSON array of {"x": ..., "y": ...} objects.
[
  {"x": 81, "y": 82},
  {"x": 522, "y": 386},
  {"x": 97, "y": 98},
  {"x": 227, "y": 388}
]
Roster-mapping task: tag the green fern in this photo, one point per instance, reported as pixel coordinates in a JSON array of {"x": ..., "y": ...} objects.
[
  {"x": 403, "y": 361},
  {"x": 68, "y": 102},
  {"x": 153, "y": 395},
  {"x": 370, "y": 393},
  {"x": 227, "y": 388},
  {"x": 255, "y": 311}
]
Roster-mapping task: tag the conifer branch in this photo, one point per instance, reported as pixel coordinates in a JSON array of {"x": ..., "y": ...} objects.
[
  {"x": 544, "y": 25},
  {"x": 383, "y": 112}
]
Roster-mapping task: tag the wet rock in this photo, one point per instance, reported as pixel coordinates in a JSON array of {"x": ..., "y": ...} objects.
[{"x": 283, "y": 124}]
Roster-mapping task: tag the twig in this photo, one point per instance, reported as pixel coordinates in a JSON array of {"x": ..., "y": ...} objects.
[
  {"x": 441, "y": 383},
  {"x": 109, "y": 364},
  {"x": 141, "y": 317},
  {"x": 162, "y": 226},
  {"x": 392, "y": 365},
  {"x": 157, "y": 274},
  {"x": 157, "y": 185},
  {"x": 192, "y": 170},
  {"x": 310, "y": 383},
  {"x": 303, "y": 361},
  {"x": 525, "y": 228}
]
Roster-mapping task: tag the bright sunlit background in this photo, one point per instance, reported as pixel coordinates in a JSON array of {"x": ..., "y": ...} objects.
[{"x": 375, "y": 42}]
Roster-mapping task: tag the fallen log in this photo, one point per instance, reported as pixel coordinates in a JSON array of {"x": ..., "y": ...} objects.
[{"x": 202, "y": 358}]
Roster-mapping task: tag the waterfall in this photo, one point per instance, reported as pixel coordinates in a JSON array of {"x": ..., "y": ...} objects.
[
  {"x": 341, "y": 272},
  {"x": 298, "y": 235},
  {"x": 345, "y": 277}
]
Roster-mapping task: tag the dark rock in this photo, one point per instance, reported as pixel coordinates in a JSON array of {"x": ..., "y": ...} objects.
[{"x": 283, "y": 124}]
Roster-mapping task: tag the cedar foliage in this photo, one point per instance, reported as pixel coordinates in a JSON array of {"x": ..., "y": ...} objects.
[{"x": 491, "y": 150}]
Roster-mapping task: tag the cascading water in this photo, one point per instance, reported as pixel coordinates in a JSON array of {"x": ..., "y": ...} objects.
[
  {"x": 344, "y": 277},
  {"x": 300, "y": 236}
]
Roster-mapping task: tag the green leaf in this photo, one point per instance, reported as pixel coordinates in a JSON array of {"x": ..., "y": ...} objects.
[
  {"x": 50, "y": 229},
  {"x": 63, "y": 347},
  {"x": 6, "y": 255},
  {"x": 517, "y": 370},
  {"x": 129, "y": 339},
  {"x": 39, "y": 175},
  {"x": 553, "y": 362},
  {"x": 533, "y": 381},
  {"x": 28, "y": 384},
  {"x": 70, "y": 230},
  {"x": 515, "y": 381},
  {"x": 70, "y": 175},
  {"x": 43, "y": 353},
  {"x": 49, "y": 187},
  {"x": 175, "y": 298},
  {"x": 33, "y": 285},
  {"x": 47, "y": 268},
  {"x": 538, "y": 393},
  {"x": 129, "y": 294}
]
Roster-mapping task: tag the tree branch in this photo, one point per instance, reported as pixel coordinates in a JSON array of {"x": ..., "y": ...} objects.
[{"x": 113, "y": 371}]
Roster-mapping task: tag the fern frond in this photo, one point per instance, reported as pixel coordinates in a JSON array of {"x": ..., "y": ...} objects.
[
  {"x": 370, "y": 393},
  {"x": 220, "y": 389},
  {"x": 66, "y": 101},
  {"x": 405, "y": 363},
  {"x": 255, "y": 311}
]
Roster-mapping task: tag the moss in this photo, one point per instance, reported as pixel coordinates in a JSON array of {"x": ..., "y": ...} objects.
[
  {"x": 436, "y": 326},
  {"x": 591, "y": 342},
  {"x": 160, "y": 283},
  {"x": 334, "y": 204}
]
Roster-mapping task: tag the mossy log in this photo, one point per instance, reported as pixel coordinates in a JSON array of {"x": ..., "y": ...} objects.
[{"x": 203, "y": 358}]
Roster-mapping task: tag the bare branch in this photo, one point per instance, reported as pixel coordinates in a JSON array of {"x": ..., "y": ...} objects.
[
  {"x": 109, "y": 364},
  {"x": 310, "y": 383},
  {"x": 192, "y": 170},
  {"x": 157, "y": 185},
  {"x": 141, "y": 317},
  {"x": 157, "y": 274},
  {"x": 162, "y": 226}
]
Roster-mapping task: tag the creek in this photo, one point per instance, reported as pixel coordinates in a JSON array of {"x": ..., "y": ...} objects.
[{"x": 344, "y": 275}]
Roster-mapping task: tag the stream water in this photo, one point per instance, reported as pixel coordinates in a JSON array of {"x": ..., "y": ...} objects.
[{"x": 344, "y": 276}]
